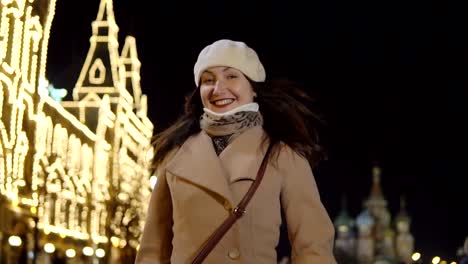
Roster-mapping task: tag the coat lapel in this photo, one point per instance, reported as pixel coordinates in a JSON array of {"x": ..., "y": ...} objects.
[
  {"x": 243, "y": 156},
  {"x": 196, "y": 161}
]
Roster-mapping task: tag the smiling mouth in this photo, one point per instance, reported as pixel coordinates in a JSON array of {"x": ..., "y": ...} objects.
[{"x": 222, "y": 102}]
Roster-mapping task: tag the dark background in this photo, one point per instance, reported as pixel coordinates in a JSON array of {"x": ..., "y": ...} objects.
[{"x": 390, "y": 78}]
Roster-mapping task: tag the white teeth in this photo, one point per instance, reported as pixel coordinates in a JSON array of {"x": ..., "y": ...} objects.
[{"x": 223, "y": 102}]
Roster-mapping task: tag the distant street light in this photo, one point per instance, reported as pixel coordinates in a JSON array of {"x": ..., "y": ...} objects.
[
  {"x": 416, "y": 256},
  {"x": 88, "y": 251},
  {"x": 100, "y": 253},
  {"x": 14, "y": 241},
  {"x": 71, "y": 253},
  {"x": 436, "y": 260},
  {"x": 49, "y": 248}
]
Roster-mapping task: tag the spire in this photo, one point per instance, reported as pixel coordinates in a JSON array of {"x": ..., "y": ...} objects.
[
  {"x": 376, "y": 191},
  {"x": 343, "y": 221},
  {"x": 130, "y": 71},
  {"x": 402, "y": 214},
  {"x": 106, "y": 12},
  {"x": 376, "y": 199},
  {"x": 105, "y": 24},
  {"x": 402, "y": 203},
  {"x": 99, "y": 74},
  {"x": 344, "y": 202}
]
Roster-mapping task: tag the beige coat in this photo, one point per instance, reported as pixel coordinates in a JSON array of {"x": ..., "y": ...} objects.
[{"x": 196, "y": 190}]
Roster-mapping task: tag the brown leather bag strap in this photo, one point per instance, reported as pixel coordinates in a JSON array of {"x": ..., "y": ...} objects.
[{"x": 236, "y": 213}]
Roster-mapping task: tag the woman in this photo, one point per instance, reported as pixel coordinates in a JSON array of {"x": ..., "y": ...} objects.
[{"x": 208, "y": 159}]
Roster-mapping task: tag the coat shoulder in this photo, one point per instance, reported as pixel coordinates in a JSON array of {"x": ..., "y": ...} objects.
[
  {"x": 289, "y": 157},
  {"x": 167, "y": 159}
]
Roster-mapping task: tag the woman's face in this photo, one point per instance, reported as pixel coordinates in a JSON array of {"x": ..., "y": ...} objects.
[{"x": 224, "y": 88}]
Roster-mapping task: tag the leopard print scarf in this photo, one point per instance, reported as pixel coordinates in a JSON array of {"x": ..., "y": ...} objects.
[{"x": 223, "y": 129}]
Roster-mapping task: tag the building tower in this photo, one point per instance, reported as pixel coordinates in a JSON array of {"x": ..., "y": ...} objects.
[
  {"x": 365, "y": 248},
  {"x": 377, "y": 206},
  {"x": 404, "y": 239},
  {"x": 345, "y": 243}
]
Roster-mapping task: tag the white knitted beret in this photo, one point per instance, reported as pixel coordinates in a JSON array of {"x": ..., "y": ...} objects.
[{"x": 233, "y": 54}]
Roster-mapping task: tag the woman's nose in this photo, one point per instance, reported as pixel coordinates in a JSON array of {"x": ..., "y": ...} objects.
[{"x": 219, "y": 86}]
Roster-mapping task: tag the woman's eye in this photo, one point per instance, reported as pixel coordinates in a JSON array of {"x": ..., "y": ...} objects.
[
  {"x": 232, "y": 76},
  {"x": 207, "y": 81}
]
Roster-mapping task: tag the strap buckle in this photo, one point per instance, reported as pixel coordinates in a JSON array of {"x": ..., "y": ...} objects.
[{"x": 238, "y": 211}]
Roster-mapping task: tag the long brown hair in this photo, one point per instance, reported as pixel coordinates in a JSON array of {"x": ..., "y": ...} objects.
[{"x": 287, "y": 114}]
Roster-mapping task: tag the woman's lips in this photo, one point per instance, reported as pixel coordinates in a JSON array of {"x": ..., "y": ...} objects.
[{"x": 222, "y": 102}]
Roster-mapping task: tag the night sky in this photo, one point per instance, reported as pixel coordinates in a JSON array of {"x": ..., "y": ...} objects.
[{"x": 389, "y": 77}]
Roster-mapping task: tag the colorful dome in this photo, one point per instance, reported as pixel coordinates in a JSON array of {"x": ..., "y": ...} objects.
[
  {"x": 343, "y": 219},
  {"x": 365, "y": 219}
]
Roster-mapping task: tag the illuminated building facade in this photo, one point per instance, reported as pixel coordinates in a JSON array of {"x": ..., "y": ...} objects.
[{"x": 74, "y": 175}]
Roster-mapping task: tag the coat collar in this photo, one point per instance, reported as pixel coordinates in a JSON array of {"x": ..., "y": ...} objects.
[{"x": 196, "y": 161}]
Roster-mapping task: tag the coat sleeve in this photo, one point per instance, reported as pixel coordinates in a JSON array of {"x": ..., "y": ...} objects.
[
  {"x": 156, "y": 241},
  {"x": 311, "y": 232}
]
